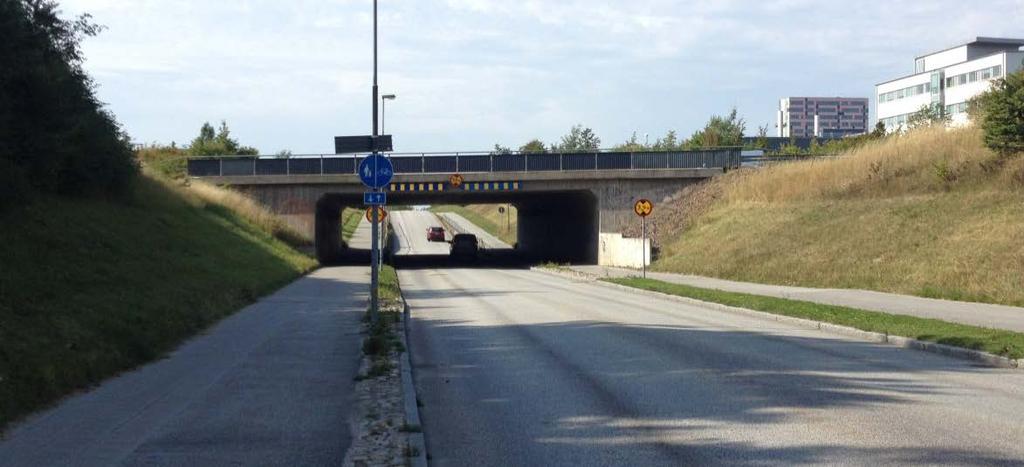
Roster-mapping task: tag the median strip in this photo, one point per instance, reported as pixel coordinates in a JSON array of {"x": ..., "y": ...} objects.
[
  {"x": 386, "y": 423},
  {"x": 1003, "y": 343}
]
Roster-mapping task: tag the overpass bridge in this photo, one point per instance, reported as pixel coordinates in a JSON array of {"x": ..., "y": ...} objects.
[{"x": 565, "y": 201}]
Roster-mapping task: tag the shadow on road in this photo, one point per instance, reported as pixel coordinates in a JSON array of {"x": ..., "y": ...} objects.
[{"x": 562, "y": 393}]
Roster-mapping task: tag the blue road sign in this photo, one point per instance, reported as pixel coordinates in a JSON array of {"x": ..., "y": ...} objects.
[
  {"x": 375, "y": 198},
  {"x": 376, "y": 171}
]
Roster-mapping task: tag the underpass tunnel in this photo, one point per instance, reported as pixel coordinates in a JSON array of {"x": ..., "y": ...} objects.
[
  {"x": 559, "y": 226},
  {"x": 330, "y": 249}
]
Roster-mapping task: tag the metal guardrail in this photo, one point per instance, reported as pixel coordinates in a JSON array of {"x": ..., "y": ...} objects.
[{"x": 446, "y": 163}]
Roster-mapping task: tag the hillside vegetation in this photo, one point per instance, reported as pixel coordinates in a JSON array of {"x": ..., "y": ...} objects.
[
  {"x": 92, "y": 287},
  {"x": 932, "y": 212},
  {"x": 486, "y": 216}
]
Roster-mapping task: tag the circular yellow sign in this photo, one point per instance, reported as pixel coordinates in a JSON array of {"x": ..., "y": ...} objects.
[{"x": 643, "y": 207}]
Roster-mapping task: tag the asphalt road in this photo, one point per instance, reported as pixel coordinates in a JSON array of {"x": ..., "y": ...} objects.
[
  {"x": 270, "y": 385},
  {"x": 520, "y": 368},
  {"x": 411, "y": 233},
  {"x": 462, "y": 225}
]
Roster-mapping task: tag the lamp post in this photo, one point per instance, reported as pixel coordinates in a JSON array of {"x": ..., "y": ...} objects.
[
  {"x": 385, "y": 97},
  {"x": 374, "y": 229}
]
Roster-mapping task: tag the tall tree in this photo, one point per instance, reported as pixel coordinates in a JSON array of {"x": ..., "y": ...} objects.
[
  {"x": 720, "y": 131},
  {"x": 579, "y": 139},
  {"x": 218, "y": 143},
  {"x": 54, "y": 134},
  {"x": 533, "y": 146},
  {"x": 1002, "y": 114}
]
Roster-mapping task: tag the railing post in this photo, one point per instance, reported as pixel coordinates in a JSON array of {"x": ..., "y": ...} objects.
[
  {"x": 492, "y": 162},
  {"x": 287, "y": 166},
  {"x": 631, "y": 160},
  {"x": 561, "y": 161},
  {"x": 321, "y": 164},
  {"x": 423, "y": 163},
  {"x": 220, "y": 167}
]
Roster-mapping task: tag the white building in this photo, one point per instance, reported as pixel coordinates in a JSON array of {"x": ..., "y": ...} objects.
[{"x": 948, "y": 78}]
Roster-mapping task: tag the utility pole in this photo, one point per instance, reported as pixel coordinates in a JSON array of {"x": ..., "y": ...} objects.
[{"x": 374, "y": 228}]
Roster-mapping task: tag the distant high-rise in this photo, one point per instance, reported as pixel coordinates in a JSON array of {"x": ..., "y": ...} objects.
[
  {"x": 822, "y": 117},
  {"x": 948, "y": 79}
]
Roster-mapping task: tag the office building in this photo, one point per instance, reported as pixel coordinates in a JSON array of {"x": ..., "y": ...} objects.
[
  {"x": 948, "y": 79},
  {"x": 821, "y": 117}
]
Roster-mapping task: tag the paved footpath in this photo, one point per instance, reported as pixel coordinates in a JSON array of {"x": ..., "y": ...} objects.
[
  {"x": 269, "y": 385},
  {"x": 977, "y": 314}
]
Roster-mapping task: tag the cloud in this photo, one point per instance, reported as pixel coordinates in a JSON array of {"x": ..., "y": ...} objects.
[{"x": 469, "y": 73}]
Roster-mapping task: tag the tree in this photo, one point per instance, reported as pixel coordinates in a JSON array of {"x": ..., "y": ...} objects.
[
  {"x": 1002, "y": 114},
  {"x": 631, "y": 144},
  {"x": 55, "y": 136},
  {"x": 499, "y": 149},
  {"x": 762, "y": 138},
  {"x": 533, "y": 146},
  {"x": 219, "y": 143},
  {"x": 670, "y": 142},
  {"x": 579, "y": 139},
  {"x": 720, "y": 131},
  {"x": 879, "y": 131},
  {"x": 928, "y": 115}
]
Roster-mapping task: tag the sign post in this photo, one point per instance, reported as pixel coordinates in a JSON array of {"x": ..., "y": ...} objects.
[
  {"x": 375, "y": 172},
  {"x": 643, "y": 208}
]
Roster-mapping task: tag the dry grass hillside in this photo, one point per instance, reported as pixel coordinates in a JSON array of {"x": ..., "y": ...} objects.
[{"x": 930, "y": 213}]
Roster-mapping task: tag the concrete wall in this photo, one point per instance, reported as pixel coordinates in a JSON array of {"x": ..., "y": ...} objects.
[
  {"x": 561, "y": 214},
  {"x": 614, "y": 250}
]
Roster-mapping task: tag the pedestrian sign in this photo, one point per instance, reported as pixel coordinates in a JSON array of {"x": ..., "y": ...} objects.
[{"x": 376, "y": 171}]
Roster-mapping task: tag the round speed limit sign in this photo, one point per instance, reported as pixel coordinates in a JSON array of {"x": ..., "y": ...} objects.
[{"x": 643, "y": 207}]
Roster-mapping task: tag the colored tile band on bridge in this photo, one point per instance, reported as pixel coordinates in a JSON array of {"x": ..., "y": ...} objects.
[
  {"x": 490, "y": 186},
  {"x": 430, "y": 186}
]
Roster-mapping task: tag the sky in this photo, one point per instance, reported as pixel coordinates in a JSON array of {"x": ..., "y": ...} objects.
[{"x": 471, "y": 73}]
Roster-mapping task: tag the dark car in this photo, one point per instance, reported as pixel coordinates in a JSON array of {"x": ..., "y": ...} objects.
[
  {"x": 464, "y": 247},
  {"x": 435, "y": 234}
]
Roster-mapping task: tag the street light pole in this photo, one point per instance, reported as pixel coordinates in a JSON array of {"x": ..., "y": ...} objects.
[{"x": 374, "y": 229}]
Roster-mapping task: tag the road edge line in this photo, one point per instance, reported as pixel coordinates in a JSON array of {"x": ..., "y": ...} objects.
[
  {"x": 417, "y": 440},
  {"x": 961, "y": 353}
]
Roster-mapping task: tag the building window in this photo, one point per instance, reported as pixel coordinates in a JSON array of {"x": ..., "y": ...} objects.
[{"x": 997, "y": 71}]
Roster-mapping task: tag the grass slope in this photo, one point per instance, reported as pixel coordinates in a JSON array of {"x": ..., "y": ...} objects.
[
  {"x": 350, "y": 219},
  {"x": 932, "y": 213},
  {"x": 999, "y": 342},
  {"x": 89, "y": 288},
  {"x": 487, "y": 217}
]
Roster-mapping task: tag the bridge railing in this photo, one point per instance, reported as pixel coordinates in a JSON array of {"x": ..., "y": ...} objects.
[{"x": 448, "y": 163}]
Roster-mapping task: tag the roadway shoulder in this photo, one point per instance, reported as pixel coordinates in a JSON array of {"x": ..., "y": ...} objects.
[{"x": 899, "y": 341}]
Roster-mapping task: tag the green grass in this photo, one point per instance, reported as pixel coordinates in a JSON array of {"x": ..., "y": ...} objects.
[
  {"x": 999, "y": 342},
  {"x": 389, "y": 288},
  {"x": 90, "y": 288},
  {"x": 350, "y": 219}
]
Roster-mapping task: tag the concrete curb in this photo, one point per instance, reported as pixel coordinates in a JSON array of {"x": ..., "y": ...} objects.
[
  {"x": 899, "y": 341},
  {"x": 417, "y": 441}
]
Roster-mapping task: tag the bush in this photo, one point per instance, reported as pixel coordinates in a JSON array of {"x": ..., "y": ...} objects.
[
  {"x": 14, "y": 189},
  {"x": 1001, "y": 111},
  {"x": 52, "y": 127}
]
